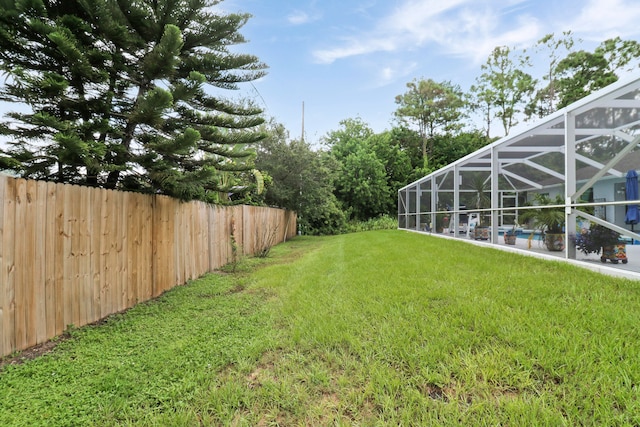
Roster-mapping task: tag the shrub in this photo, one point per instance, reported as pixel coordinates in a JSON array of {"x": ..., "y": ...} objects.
[
  {"x": 383, "y": 222},
  {"x": 593, "y": 239}
]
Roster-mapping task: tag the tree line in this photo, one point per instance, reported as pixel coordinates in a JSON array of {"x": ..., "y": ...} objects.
[
  {"x": 434, "y": 124},
  {"x": 133, "y": 96}
]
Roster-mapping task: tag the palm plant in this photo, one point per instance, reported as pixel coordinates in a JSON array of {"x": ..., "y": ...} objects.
[
  {"x": 549, "y": 220},
  {"x": 546, "y": 219},
  {"x": 482, "y": 195}
]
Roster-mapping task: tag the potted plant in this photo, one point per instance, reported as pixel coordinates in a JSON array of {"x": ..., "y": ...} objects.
[
  {"x": 599, "y": 239},
  {"x": 442, "y": 222},
  {"x": 510, "y": 236},
  {"x": 550, "y": 221}
]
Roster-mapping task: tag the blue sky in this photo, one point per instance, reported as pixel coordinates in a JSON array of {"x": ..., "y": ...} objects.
[{"x": 350, "y": 58}]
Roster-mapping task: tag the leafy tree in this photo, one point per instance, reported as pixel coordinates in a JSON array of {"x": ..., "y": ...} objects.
[
  {"x": 450, "y": 148},
  {"x": 409, "y": 142},
  {"x": 447, "y": 149},
  {"x": 433, "y": 108},
  {"x": 396, "y": 162},
  {"x": 504, "y": 83},
  {"x": 545, "y": 99},
  {"x": 301, "y": 180},
  {"x": 240, "y": 186},
  {"x": 126, "y": 94},
  {"x": 582, "y": 72},
  {"x": 622, "y": 55},
  {"x": 362, "y": 184},
  {"x": 348, "y": 138},
  {"x": 483, "y": 99}
]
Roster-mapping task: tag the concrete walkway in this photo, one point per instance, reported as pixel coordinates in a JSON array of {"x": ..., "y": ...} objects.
[{"x": 631, "y": 270}]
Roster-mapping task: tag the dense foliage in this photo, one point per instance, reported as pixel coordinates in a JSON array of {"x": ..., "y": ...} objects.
[
  {"x": 363, "y": 183},
  {"x": 126, "y": 94},
  {"x": 302, "y": 180}
]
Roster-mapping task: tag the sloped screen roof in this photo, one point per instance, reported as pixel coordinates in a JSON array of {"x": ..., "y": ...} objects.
[{"x": 606, "y": 122}]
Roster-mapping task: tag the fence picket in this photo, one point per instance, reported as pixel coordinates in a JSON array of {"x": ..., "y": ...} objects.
[
  {"x": 157, "y": 243},
  {"x": 123, "y": 246},
  {"x": 95, "y": 227},
  {"x": 146, "y": 259},
  {"x": 132, "y": 232},
  {"x": 3, "y": 281},
  {"x": 9, "y": 268},
  {"x": 21, "y": 254},
  {"x": 49, "y": 245},
  {"x": 84, "y": 261},
  {"x": 71, "y": 262},
  {"x": 108, "y": 293},
  {"x": 39, "y": 261},
  {"x": 60, "y": 258}
]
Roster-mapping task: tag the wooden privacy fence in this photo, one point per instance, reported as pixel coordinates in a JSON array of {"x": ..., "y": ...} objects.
[{"x": 72, "y": 255}]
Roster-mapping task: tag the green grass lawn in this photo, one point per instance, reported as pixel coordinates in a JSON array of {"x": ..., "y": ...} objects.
[{"x": 374, "y": 328}]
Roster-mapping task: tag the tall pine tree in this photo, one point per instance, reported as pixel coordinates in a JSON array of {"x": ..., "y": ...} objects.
[{"x": 126, "y": 94}]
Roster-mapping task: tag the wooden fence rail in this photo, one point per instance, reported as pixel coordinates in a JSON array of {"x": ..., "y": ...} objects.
[{"x": 72, "y": 255}]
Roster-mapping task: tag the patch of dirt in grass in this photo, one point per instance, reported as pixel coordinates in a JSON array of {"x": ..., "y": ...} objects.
[
  {"x": 326, "y": 410},
  {"x": 254, "y": 379},
  {"x": 330, "y": 400},
  {"x": 33, "y": 352},
  {"x": 454, "y": 393},
  {"x": 236, "y": 289},
  {"x": 435, "y": 392},
  {"x": 451, "y": 392},
  {"x": 263, "y": 371},
  {"x": 277, "y": 420}
]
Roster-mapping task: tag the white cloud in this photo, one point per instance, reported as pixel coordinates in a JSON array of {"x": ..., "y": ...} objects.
[
  {"x": 417, "y": 17},
  {"x": 471, "y": 29},
  {"x": 298, "y": 17},
  {"x": 387, "y": 73},
  {"x": 600, "y": 20},
  {"x": 478, "y": 45},
  {"x": 394, "y": 71},
  {"x": 466, "y": 28},
  {"x": 354, "y": 47},
  {"x": 405, "y": 26}
]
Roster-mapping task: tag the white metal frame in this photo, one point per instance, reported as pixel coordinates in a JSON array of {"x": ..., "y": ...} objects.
[{"x": 518, "y": 161}]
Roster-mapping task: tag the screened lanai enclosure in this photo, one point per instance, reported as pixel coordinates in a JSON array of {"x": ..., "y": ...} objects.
[{"x": 551, "y": 185}]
